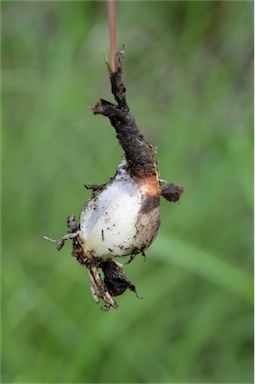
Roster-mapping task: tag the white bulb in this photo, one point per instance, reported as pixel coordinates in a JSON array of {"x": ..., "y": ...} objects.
[{"x": 112, "y": 222}]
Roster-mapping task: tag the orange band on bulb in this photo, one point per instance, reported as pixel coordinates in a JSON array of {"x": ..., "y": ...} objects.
[{"x": 149, "y": 185}]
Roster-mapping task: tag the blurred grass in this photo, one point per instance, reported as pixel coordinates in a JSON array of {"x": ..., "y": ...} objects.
[{"x": 189, "y": 77}]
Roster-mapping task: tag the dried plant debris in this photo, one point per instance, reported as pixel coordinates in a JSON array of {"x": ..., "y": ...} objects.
[{"x": 122, "y": 217}]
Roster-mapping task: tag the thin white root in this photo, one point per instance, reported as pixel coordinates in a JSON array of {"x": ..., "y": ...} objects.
[
  {"x": 98, "y": 289},
  {"x": 67, "y": 236},
  {"x": 49, "y": 239},
  {"x": 93, "y": 288},
  {"x": 61, "y": 242}
]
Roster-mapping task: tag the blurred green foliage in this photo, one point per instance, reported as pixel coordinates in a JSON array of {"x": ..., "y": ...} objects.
[{"x": 188, "y": 71}]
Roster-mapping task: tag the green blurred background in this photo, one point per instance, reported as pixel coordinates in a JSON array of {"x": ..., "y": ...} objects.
[{"x": 188, "y": 71}]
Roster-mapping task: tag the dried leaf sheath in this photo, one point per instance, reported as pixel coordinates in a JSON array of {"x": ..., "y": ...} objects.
[{"x": 139, "y": 153}]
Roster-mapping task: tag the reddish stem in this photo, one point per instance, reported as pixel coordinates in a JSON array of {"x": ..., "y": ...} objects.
[{"x": 112, "y": 30}]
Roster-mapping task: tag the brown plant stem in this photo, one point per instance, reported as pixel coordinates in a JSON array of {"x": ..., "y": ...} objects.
[{"x": 111, "y": 5}]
